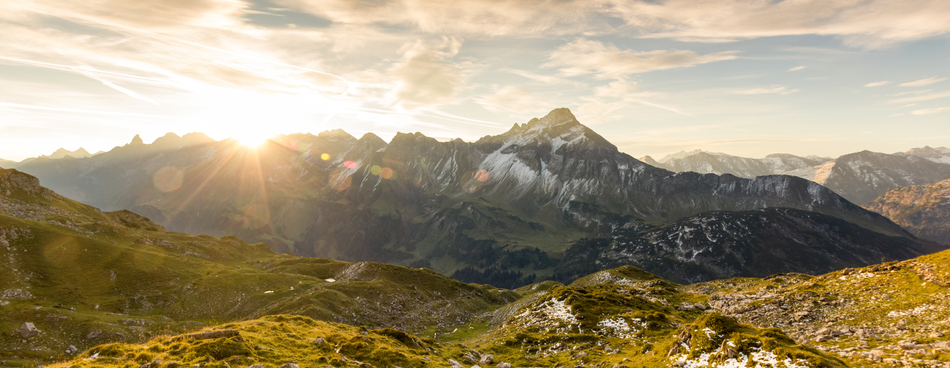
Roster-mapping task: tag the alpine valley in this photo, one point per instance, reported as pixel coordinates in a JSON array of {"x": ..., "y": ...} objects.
[
  {"x": 547, "y": 200},
  {"x": 80, "y": 287}
]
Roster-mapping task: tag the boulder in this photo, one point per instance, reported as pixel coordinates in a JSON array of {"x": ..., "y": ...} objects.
[
  {"x": 28, "y": 330},
  {"x": 71, "y": 350}
]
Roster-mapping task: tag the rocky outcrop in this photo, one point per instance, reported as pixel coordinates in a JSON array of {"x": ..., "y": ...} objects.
[{"x": 924, "y": 210}]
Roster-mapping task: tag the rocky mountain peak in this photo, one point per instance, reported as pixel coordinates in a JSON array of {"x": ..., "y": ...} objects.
[
  {"x": 136, "y": 141},
  {"x": 336, "y": 135},
  {"x": 559, "y": 128},
  {"x": 62, "y": 153}
]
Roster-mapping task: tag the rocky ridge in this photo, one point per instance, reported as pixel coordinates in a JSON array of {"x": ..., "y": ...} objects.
[{"x": 923, "y": 210}]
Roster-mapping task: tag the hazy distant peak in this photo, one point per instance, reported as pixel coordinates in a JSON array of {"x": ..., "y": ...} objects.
[
  {"x": 137, "y": 140},
  {"x": 336, "y": 135},
  {"x": 372, "y": 140},
  {"x": 939, "y": 154},
  {"x": 169, "y": 135},
  {"x": 679, "y": 155},
  {"x": 63, "y": 153},
  {"x": 649, "y": 160},
  {"x": 172, "y": 140}
]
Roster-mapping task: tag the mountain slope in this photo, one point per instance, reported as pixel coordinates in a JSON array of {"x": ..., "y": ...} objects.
[
  {"x": 85, "y": 277},
  {"x": 924, "y": 210},
  {"x": 885, "y": 315},
  {"x": 720, "y": 244},
  {"x": 509, "y": 204}
]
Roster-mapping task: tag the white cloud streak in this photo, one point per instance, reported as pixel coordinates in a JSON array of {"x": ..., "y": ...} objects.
[
  {"x": 923, "y": 82},
  {"x": 606, "y": 61},
  {"x": 782, "y": 90},
  {"x": 877, "y": 84},
  {"x": 927, "y": 97},
  {"x": 930, "y": 111}
]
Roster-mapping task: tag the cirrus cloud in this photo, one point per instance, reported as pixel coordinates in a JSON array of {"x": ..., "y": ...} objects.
[{"x": 606, "y": 61}]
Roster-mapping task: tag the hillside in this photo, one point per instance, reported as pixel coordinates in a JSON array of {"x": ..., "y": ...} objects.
[
  {"x": 923, "y": 210},
  {"x": 886, "y": 314},
  {"x": 85, "y": 277}
]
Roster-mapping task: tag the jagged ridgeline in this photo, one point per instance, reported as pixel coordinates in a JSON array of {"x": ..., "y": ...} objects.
[{"x": 508, "y": 209}]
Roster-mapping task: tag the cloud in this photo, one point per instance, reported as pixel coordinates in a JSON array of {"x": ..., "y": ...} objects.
[
  {"x": 513, "y": 99},
  {"x": 782, "y": 90},
  {"x": 927, "y": 97},
  {"x": 877, "y": 84},
  {"x": 426, "y": 74},
  {"x": 546, "y": 79},
  {"x": 870, "y": 24},
  {"x": 618, "y": 88},
  {"x": 469, "y": 17},
  {"x": 930, "y": 111},
  {"x": 797, "y": 68},
  {"x": 923, "y": 82},
  {"x": 606, "y": 61},
  {"x": 152, "y": 14}
]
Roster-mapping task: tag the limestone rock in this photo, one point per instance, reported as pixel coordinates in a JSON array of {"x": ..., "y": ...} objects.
[{"x": 28, "y": 330}]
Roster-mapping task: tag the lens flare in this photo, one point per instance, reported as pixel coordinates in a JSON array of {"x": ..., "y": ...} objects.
[
  {"x": 386, "y": 173},
  {"x": 351, "y": 165},
  {"x": 168, "y": 179},
  {"x": 375, "y": 170},
  {"x": 325, "y": 157},
  {"x": 482, "y": 176}
]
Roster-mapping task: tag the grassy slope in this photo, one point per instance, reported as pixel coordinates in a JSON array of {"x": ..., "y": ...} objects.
[{"x": 85, "y": 277}]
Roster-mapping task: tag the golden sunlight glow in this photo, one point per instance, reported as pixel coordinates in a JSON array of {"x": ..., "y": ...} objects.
[{"x": 251, "y": 140}]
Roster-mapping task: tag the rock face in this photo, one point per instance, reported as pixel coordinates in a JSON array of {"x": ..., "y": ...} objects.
[
  {"x": 924, "y": 210},
  {"x": 492, "y": 207}
]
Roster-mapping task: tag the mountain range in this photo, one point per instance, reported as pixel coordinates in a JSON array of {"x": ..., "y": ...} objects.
[
  {"x": 80, "y": 287},
  {"x": 859, "y": 177},
  {"x": 507, "y": 209}
]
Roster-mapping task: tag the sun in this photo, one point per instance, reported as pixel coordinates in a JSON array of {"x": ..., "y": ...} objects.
[{"x": 251, "y": 140}]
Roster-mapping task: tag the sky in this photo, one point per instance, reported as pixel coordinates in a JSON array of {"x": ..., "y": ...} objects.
[{"x": 744, "y": 77}]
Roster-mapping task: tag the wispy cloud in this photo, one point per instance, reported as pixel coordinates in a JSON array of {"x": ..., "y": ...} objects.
[
  {"x": 877, "y": 84},
  {"x": 782, "y": 90},
  {"x": 923, "y": 82},
  {"x": 119, "y": 88},
  {"x": 871, "y": 24},
  {"x": 513, "y": 99},
  {"x": 546, "y": 79},
  {"x": 797, "y": 68},
  {"x": 930, "y": 111},
  {"x": 606, "y": 61},
  {"x": 927, "y": 97}
]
